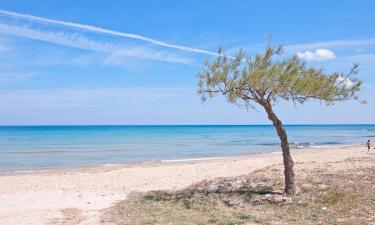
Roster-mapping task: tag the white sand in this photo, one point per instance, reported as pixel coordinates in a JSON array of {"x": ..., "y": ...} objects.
[{"x": 47, "y": 197}]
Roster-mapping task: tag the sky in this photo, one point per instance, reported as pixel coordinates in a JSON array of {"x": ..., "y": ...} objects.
[{"x": 135, "y": 62}]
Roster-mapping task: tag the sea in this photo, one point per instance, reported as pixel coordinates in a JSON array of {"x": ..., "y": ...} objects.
[{"x": 30, "y": 148}]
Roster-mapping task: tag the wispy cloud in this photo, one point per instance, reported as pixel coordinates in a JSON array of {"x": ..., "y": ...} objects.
[
  {"x": 12, "y": 77},
  {"x": 79, "y": 41},
  {"x": 330, "y": 44},
  {"x": 3, "y": 48},
  {"x": 319, "y": 55},
  {"x": 362, "y": 58},
  {"x": 103, "y": 31}
]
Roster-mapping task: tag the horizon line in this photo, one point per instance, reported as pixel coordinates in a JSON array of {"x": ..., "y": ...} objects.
[{"x": 120, "y": 125}]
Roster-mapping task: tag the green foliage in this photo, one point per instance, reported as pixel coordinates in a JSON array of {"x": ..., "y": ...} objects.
[
  {"x": 263, "y": 79},
  {"x": 243, "y": 216},
  {"x": 313, "y": 218},
  {"x": 333, "y": 197}
]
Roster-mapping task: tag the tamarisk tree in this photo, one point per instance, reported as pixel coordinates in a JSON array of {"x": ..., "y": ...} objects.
[{"x": 263, "y": 81}]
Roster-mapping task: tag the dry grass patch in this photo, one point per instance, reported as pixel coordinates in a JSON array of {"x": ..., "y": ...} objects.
[{"x": 340, "y": 197}]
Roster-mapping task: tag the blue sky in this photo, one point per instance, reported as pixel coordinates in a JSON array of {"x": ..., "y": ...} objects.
[{"x": 135, "y": 62}]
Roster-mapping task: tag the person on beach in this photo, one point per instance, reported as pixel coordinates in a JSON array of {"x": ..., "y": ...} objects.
[{"x": 368, "y": 145}]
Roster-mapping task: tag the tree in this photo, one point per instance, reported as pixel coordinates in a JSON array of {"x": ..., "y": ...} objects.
[{"x": 264, "y": 80}]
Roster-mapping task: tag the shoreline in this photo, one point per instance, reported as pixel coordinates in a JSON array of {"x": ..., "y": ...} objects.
[
  {"x": 151, "y": 163},
  {"x": 39, "y": 198}
]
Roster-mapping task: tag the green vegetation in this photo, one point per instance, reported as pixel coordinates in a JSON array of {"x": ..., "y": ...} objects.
[{"x": 263, "y": 80}]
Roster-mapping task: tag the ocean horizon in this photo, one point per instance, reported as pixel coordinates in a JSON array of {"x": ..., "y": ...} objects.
[{"x": 29, "y": 148}]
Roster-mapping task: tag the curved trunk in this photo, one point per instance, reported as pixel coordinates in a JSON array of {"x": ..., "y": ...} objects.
[{"x": 287, "y": 158}]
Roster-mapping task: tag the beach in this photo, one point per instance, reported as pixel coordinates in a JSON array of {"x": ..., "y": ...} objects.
[
  {"x": 79, "y": 196},
  {"x": 167, "y": 113}
]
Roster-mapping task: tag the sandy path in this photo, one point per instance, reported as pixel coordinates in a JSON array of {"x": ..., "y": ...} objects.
[{"x": 72, "y": 197}]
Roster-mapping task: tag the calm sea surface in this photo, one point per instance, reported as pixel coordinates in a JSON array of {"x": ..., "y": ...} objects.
[{"x": 47, "y": 147}]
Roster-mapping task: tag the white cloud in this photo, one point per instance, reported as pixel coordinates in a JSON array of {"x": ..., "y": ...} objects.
[
  {"x": 103, "y": 31},
  {"x": 346, "y": 81},
  {"x": 79, "y": 41},
  {"x": 319, "y": 54}
]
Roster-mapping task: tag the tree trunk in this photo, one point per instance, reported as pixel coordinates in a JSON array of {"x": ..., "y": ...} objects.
[{"x": 288, "y": 161}]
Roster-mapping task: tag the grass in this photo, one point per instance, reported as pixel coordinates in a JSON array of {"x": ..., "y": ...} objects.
[{"x": 324, "y": 197}]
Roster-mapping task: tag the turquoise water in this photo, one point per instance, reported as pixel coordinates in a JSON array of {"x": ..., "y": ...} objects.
[{"x": 48, "y": 147}]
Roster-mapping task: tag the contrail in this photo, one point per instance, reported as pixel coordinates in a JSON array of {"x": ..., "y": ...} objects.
[
  {"x": 81, "y": 42},
  {"x": 104, "y": 31}
]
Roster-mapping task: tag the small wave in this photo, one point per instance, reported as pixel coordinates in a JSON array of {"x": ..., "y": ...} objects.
[
  {"x": 68, "y": 151},
  {"x": 111, "y": 165},
  {"x": 24, "y": 171},
  {"x": 321, "y": 146},
  {"x": 27, "y": 171},
  {"x": 34, "y": 152},
  {"x": 269, "y": 144},
  {"x": 234, "y": 142},
  {"x": 328, "y": 146},
  {"x": 298, "y": 144}
]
